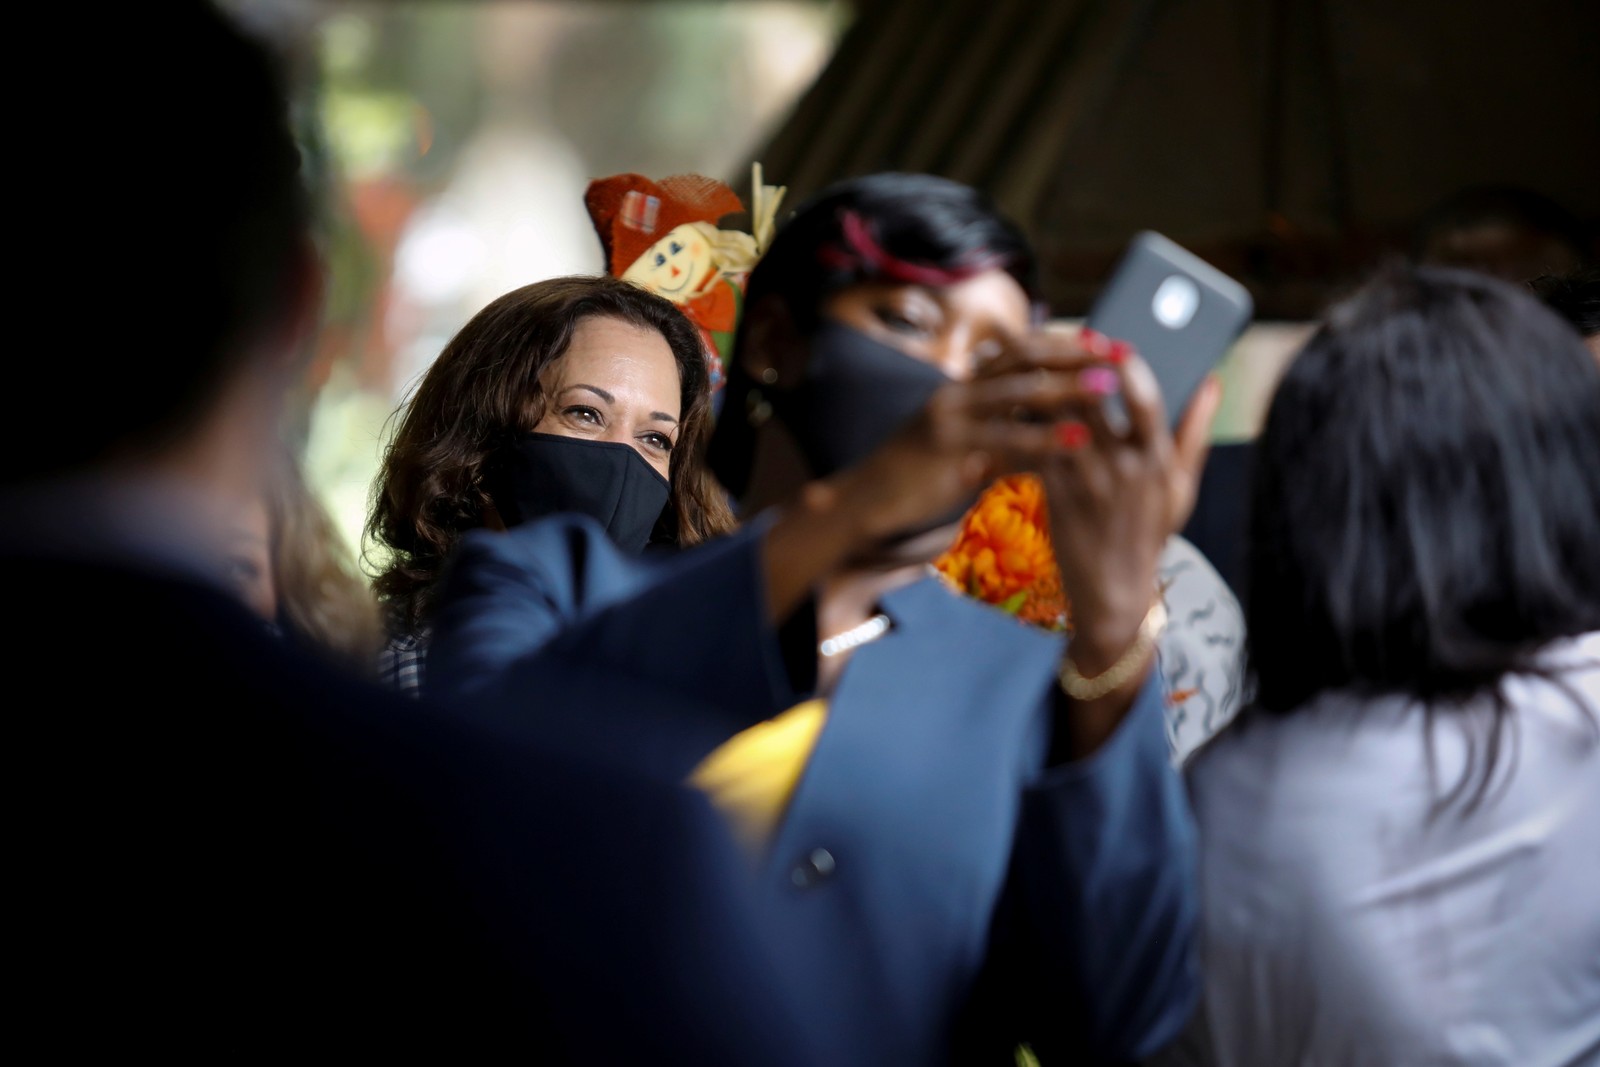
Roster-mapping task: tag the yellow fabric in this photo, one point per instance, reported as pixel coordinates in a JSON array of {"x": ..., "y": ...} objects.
[{"x": 751, "y": 776}]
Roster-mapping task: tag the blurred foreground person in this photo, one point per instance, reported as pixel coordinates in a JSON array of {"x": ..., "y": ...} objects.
[
  {"x": 584, "y": 394},
  {"x": 979, "y": 820},
  {"x": 230, "y": 849},
  {"x": 1399, "y": 847},
  {"x": 290, "y": 565}
]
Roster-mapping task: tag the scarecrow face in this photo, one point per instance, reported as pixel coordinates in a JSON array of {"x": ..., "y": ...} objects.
[{"x": 675, "y": 266}]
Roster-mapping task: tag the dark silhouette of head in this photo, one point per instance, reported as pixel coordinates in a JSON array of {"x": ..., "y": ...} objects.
[
  {"x": 1507, "y": 231},
  {"x": 181, "y": 205}
]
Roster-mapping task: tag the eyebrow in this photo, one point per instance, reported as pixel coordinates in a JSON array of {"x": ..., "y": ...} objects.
[{"x": 659, "y": 416}]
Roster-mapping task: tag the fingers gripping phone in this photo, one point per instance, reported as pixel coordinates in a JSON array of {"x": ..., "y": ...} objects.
[{"x": 1179, "y": 313}]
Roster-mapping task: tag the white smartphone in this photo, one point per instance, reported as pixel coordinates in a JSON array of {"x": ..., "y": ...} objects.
[{"x": 1179, "y": 312}]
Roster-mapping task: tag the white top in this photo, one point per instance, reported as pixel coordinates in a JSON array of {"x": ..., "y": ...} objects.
[
  {"x": 1201, "y": 651},
  {"x": 1347, "y": 922}
]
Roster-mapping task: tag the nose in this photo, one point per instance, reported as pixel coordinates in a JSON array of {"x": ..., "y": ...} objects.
[
  {"x": 676, "y": 272},
  {"x": 956, "y": 360}
]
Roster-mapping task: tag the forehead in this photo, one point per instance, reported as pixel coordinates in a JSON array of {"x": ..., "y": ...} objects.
[
  {"x": 682, "y": 233},
  {"x": 994, "y": 294},
  {"x": 619, "y": 357}
]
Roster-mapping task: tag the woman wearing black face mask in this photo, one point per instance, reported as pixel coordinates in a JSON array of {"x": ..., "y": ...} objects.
[
  {"x": 979, "y": 825},
  {"x": 879, "y": 291},
  {"x": 579, "y": 394}
]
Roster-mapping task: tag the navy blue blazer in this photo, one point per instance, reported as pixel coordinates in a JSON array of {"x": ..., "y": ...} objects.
[{"x": 961, "y": 895}]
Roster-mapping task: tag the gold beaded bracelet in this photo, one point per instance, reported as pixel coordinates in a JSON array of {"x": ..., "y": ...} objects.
[{"x": 1078, "y": 687}]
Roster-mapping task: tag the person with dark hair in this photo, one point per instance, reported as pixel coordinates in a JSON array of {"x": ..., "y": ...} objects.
[
  {"x": 1398, "y": 842},
  {"x": 1576, "y": 298},
  {"x": 225, "y": 847},
  {"x": 1506, "y": 231},
  {"x": 981, "y": 820},
  {"x": 581, "y": 393}
]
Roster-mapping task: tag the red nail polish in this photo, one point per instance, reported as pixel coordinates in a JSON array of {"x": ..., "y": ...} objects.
[
  {"x": 1094, "y": 341},
  {"x": 1119, "y": 351},
  {"x": 1071, "y": 434}
]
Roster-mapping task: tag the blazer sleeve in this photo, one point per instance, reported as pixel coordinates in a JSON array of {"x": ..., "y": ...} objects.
[
  {"x": 1097, "y": 929},
  {"x": 556, "y": 598}
]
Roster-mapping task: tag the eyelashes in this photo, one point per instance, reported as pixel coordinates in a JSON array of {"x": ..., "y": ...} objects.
[{"x": 591, "y": 417}]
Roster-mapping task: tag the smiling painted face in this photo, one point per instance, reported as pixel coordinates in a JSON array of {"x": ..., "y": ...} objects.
[{"x": 677, "y": 266}]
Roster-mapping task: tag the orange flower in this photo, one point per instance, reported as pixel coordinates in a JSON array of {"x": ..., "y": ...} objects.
[{"x": 1002, "y": 555}]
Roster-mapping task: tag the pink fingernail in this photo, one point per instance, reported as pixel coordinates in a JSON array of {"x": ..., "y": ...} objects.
[
  {"x": 1095, "y": 342},
  {"x": 1098, "y": 380},
  {"x": 1119, "y": 351}
]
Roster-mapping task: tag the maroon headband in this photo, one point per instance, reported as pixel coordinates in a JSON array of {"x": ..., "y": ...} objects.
[{"x": 868, "y": 256}]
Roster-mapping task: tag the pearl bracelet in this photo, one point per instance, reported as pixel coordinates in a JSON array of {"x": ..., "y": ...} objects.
[{"x": 1078, "y": 687}]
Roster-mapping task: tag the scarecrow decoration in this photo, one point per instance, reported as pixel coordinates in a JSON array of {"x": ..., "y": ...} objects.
[{"x": 664, "y": 236}]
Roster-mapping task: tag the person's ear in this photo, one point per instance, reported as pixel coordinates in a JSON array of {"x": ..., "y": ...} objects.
[{"x": 773, "y": 352}]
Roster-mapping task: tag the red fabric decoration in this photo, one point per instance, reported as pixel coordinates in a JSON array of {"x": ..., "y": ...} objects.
[
  {"x": 714, "y": 308},
  {"x": 628, "y": 222}
]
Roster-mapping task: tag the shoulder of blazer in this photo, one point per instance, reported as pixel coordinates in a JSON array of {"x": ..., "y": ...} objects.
[{"x": 930, "y": 605}]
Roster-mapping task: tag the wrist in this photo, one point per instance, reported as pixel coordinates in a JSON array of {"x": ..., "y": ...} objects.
[
  {"x": 1106, "y": 660},
  {"x": 858, "y": 506},
  {"x": 1102, "y": 631}
]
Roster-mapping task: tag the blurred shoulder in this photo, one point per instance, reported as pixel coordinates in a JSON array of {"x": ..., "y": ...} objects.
[{"x": 1192, "y": 584}]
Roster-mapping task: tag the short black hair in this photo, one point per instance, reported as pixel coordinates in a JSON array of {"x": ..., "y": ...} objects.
[
  {"x": 167, "y": 229},
  {"x": 919, "y": 218},
  {"x": 1425, "y": 495},
  {"x": 1574, "y": 296}
]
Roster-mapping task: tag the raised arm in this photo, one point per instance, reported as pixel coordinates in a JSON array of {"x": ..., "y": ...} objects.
[{"x": 1102, "y": 902}]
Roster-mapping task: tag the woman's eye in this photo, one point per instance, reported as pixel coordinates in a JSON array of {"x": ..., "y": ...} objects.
[
  {"x": 675, "y": 247},
  {"x": 661, "y": 260},
  {"x": 584, "y": 414},
  {"x": 658, "y": 440},
  {"x": 900, "y": 323}
]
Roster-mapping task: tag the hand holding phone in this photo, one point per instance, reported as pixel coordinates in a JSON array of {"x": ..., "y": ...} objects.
[{"x": 1177, "y": 311}]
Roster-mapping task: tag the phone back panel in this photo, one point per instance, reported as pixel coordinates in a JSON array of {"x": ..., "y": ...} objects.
[{"x": 1180, "y": 313}]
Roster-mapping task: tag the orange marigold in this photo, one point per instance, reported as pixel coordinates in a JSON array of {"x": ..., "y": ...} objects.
[{"x": 1002, "y": 555}]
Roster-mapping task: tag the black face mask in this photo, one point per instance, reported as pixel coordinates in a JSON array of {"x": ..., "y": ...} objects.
[
  {"x": 542, "y": 474},
  {"x": 856, "y": 393}
]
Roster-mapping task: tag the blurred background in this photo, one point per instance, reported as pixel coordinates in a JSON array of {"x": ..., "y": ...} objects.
[{"x": 1293, "y": 143}]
